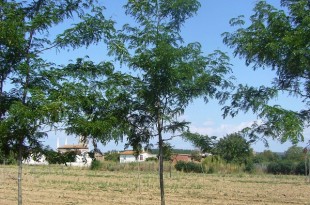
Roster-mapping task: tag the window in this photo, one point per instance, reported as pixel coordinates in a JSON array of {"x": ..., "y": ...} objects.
[{"x": 141, "y": 157}]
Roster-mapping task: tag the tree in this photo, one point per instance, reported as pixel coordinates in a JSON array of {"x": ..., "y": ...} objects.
[
  {"x": 266, "y": 156},
  {"x": 167, "y": 151},
  {"x": 89, "y": 104},
  {"x": 294, "y": 154},
  {"x": 167, "y": 75},
  {"x": 29, "y": 83},
  {"x": 203, "y": 142},
  {"x": 112, "y": 156},
  {"x": 279, "y": 40},
  {"x": 233, "y": 148}
]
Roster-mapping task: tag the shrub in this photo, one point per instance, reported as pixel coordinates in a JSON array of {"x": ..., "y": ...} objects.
[
  {"x": 189, "y": 167},
  {"x": 249, "y": 166},
  {"x": 151, "y": 159},
  {"x": 95, "y": 165},
  {"x": 180, "y": 165},
  {"x": 281, "y": 167},
  {"x": 112, "y": 156},
  {"x": 300, "y": 168},
  {"x": 211, "y": 170}
]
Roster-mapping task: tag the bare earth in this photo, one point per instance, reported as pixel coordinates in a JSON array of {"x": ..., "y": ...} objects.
[{"x": 66, "y": 185}]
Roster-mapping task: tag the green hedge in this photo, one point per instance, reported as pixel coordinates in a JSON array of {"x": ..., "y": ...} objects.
[
  {"x": 286, "y": 167},
  {"x": 189, "y": 167}
]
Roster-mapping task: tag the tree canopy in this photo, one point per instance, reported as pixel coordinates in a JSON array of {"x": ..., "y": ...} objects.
[
  {"x": 278, "y": 40},
  {"x": 233, "y": 148},
  {"x": 29, "y": 85},
  {"x": 205, "y": 143},
  {"x": 167, "y": 74}
]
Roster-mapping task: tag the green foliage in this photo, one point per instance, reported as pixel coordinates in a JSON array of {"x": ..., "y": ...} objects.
[
  {"x": 30, "y": 98},
  {"x": 112, "y": 156},
  {"x": 281, "y": 167},
  {"x": 265, "y": 157},
  {"x": 203, "y": 142},
  {"x": 196, "y": 156},
  {"x": 8, "y": 159},
  {"x": 53, "y": 157},
  {"x": 234, "y": 149},
  {"x": 287, "y": 167},
  {"x": 249, "y": 166},
  {"x": 170, "y": 75},
  {"x": 300, "y": 168},
  {"x": 294, "y": 161},
  {"x": 167, "y": 151},
  {"x": 174, "y": 151},
  {"x": 151, "y": 159},
  {"x": 215, "y": 164},
  {"x": 95, "y": 165},
  {"x": 189, "y": 167},
  {"x": 285, "y": 49},
  {"x": 294, "y": 154}
]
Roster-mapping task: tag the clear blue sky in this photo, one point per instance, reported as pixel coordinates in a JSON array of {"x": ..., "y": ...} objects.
[{"x": 211, "y": 21}]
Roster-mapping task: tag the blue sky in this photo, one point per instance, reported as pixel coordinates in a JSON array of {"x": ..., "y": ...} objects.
[{"x": 211, "y": 21}]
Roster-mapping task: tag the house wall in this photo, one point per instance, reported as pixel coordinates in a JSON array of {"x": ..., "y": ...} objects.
[
  {"x": 127, "y": 158},
  {"x": 64, "y": 150},
  {"x": 181, "y": 157},
  {"x": 39, "y": 161},
  {"x": 131, "y": 158}
]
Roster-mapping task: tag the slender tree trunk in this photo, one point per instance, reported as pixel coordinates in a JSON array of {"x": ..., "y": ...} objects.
[
  {"x": 306, "y": 166},
  {"x": 19, "y": 175},
  {"x": 308, "y": 169},
  {"x": 161, "y": 170}
]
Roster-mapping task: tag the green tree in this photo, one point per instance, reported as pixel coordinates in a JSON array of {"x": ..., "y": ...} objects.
[
  {"x": 203, "y": 142},
  {"x": 279, "y": 40},
  {"x": 89, "y": 103},
  {"x": 28, "y": 83},
  {"x": 112, "y": 156},
  {"x": 266, "y": 156},
  {"x": 294, "y": 153},
  {"x": 233, "y": 148},
  {"x": 167, "y": 151},
  {"x": 167, "y": 75}
]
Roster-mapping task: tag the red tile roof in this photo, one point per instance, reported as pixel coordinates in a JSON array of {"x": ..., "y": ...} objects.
[
  {"x": 78, "y": 146},
  {"x": 128, "y": 152}
]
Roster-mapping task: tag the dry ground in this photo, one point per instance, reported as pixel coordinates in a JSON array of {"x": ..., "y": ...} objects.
[{"x": 65, "y": 185}]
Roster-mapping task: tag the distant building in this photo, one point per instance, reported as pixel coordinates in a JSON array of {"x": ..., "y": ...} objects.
[
  {"x": 38, "y": 160},
  {"x": 79, "y": 148},
  {"x": 99, "y": 156},
  {"x": 129, "y": 156},
  {"x": 181, "y": 157}
]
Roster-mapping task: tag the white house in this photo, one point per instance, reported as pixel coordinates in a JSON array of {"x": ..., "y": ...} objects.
[
  {"x": 128, "y": 156},
  {"x": 40, "y": 160},
  {"x": 81, "y": 160}
]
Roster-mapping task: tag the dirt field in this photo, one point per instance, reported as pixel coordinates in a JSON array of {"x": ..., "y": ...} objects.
[{"x": 58, "y": 185}]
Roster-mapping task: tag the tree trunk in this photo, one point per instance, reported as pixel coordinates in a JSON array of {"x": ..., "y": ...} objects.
[
  {"x": 306, "y": 166},
  {"x": 161, "y": 170},
  {"x": 19, "y": 176},
  {"x": 308, "y": 170}
]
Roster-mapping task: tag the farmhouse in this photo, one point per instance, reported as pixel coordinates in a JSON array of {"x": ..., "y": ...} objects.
[
  {"x": 81, "y": 149},
  {"x": 78, "y": 148},
  {"x": 181, "y": 157},
  {"x": 129, "y": 156},
  {"x": 35, "y": 160}
]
